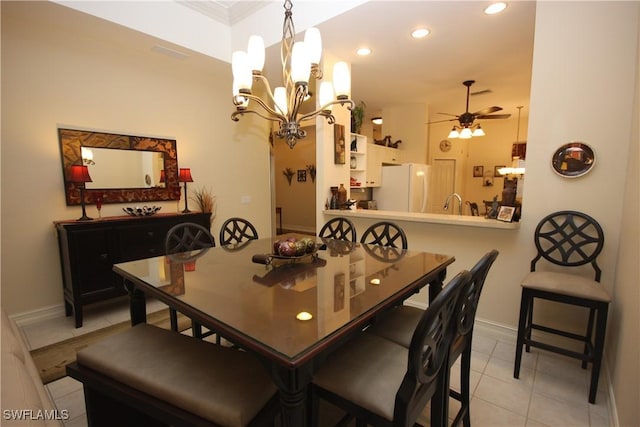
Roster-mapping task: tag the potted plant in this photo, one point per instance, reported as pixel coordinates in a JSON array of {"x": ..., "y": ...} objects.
[
  {"x": 357, "y": 117},
  {"x": 205, "y": 200}
]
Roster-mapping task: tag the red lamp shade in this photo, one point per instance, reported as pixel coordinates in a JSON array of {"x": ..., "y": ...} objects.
[
  {"x": 185, "y": 175},
  {"x": 79, "y": 173},
  {"x": 162, "y": 178}
]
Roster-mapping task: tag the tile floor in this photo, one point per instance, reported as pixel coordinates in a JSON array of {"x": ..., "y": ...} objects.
[{"x": 552, "y": 390}]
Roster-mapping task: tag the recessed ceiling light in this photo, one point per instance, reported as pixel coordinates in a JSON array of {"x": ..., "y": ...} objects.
[
  {"x": 494, "y": 8},
  {"x": 363, "y": 51},
  {"x": 419, "y": 33}
]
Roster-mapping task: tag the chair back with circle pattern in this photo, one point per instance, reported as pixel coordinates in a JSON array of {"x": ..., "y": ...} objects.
[
  {"x": 237, "y": 230},
  {"x": 338, "y": 228},
  {"x": 429, "y": 352},
  {"x": 385, "y": 233},
  {"x": 187, "y": 236},
  {"x": 569, "y": 239}
]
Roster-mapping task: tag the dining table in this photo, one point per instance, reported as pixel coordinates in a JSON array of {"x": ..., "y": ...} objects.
[{"x": 290, "y": 312}]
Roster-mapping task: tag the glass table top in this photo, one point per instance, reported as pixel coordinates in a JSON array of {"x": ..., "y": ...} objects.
[{"x": 287, "y": 307}]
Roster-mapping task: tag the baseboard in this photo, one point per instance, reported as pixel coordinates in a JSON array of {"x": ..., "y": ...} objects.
[{"x": 39, "y": 315}]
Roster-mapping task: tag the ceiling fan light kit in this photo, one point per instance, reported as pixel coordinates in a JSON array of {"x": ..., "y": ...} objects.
[{"x": 466, "y": 127}]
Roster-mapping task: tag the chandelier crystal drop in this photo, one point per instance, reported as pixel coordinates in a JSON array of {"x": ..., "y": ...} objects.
[{"x": 300, "y": 61}]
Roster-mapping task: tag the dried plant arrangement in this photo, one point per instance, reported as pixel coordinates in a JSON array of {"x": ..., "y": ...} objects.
[
  {"x": 288, "y": 172},
  {"x": 205, "y": 200}
]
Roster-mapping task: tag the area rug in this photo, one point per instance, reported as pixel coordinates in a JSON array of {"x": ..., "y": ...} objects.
[{"x": 52, "y": 360}]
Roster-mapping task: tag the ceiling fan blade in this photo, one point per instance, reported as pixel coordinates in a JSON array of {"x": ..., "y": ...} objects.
[
  {"x": 487, "y": 110},
  {"x": 493, "y": 116},
  {"x": 442, "y": 121},
  {"x": 449, "y": 114}
]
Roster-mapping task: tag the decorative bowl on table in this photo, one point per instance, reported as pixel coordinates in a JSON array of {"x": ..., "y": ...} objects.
[
  {"x": 142, "y": 211},
  {"x": 289, "y": 251}
]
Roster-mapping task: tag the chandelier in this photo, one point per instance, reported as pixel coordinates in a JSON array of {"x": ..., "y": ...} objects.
[{"x": 300, "y": 61}]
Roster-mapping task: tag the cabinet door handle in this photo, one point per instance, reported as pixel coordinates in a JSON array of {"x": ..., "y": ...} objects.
[
  {"x": 152, "y": 250},
  {"x": 104, "y": 257},
  {"x": 150, "y": 233}
]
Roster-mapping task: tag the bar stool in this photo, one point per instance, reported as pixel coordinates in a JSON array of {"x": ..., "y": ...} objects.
[{"x": 567, "y": 239}]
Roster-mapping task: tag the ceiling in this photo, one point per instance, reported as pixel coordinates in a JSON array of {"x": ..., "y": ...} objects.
[{"x": 464, "y": 44}]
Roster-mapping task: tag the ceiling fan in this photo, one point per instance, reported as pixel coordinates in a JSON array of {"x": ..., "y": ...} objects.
[{"x": 467, "y": 128}]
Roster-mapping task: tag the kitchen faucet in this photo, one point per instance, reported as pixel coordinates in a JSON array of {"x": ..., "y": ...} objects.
[{"x": 456, "y": 195}]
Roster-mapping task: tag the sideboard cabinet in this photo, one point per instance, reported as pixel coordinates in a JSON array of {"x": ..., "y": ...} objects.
[{"x": 88, "y": 250}]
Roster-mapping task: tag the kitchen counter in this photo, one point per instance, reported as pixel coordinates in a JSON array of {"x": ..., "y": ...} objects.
[{"x": 460, "y": 220}]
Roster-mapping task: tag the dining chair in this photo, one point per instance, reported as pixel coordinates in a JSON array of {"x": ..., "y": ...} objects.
[
  {"x": 385, "y": 233},
  {"x": 398, "y": 326},
  {"x": 237, "y": 230},
  {"x": 382, "y": 383},
  {"x": 338, "y": 228},
  {"x": 568, "y": 239},
  {"x": 187, "y": 237}
]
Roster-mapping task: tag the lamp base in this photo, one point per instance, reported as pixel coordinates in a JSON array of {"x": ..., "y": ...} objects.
[
  {"x": 186, "y": 211},
  {"x": 84, "y": 218}
]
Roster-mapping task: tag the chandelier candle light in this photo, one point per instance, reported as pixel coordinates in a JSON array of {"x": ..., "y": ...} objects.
[{"x": 300, "y": 61}]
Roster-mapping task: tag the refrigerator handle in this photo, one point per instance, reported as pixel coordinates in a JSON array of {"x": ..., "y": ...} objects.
[{"x": 424, "y": 193}]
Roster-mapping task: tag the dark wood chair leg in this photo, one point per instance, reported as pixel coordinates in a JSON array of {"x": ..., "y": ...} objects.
[
  {"x": 197, "y": 329},
  {"x": 465, "y": 389},
  {"x": 173, "y": 318},
  {"x": 529, "y": 324},
  {"x": 601, "y": 327},
  {"x": 588, "y": 335},
  {"x": 524, "y": 305}
]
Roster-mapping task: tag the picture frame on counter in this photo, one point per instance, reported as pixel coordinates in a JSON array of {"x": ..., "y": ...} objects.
[{"x": 506, "y": 213}]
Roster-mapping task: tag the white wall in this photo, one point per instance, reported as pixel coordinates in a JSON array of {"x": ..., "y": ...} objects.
[{"x": 81, "y": 73}]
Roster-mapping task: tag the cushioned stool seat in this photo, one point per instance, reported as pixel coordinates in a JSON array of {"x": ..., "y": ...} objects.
[
  {"x": 565, "y": 284},
  {"x": 226, "y": 386}
]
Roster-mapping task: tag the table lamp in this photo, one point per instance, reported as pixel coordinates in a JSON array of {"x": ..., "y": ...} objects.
[
  {"x": 185, "y": 176},
  {"x": 80, "y": 174}
]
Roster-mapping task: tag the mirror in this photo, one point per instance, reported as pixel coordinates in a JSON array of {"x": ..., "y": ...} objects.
[
  {"x": 111, "y": 158},
  {"x": 573, "y": 160},
  {"x": 139, "y": 169}
]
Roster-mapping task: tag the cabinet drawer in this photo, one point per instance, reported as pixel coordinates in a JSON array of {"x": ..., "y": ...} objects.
[{"x": 141, "y": 241}]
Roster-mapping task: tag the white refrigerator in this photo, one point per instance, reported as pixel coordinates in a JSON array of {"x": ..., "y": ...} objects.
[{"x": 404, "y": 188}]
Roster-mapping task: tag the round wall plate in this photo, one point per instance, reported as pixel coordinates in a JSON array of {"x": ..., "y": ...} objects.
[{"x": 573, "y": 160}]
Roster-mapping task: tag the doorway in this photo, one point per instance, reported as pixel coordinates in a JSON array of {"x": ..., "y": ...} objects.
[{"x": 443, "y": 183}]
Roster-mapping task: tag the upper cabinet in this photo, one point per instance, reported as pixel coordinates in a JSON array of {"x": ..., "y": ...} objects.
[
  {"x": 390, "y": 156},
  {"x": 377, "y": 156},
  {"x": 366, "y": 161}
]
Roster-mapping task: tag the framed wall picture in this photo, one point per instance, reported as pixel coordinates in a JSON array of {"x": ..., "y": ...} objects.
[
  {"x": 506, "y": 213},
  {"x": 339, "y": 144},
  {"x": 497, "y": 174},
  {"x": 478, "y": 171},
  {"x": 302, "y": 175}
]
